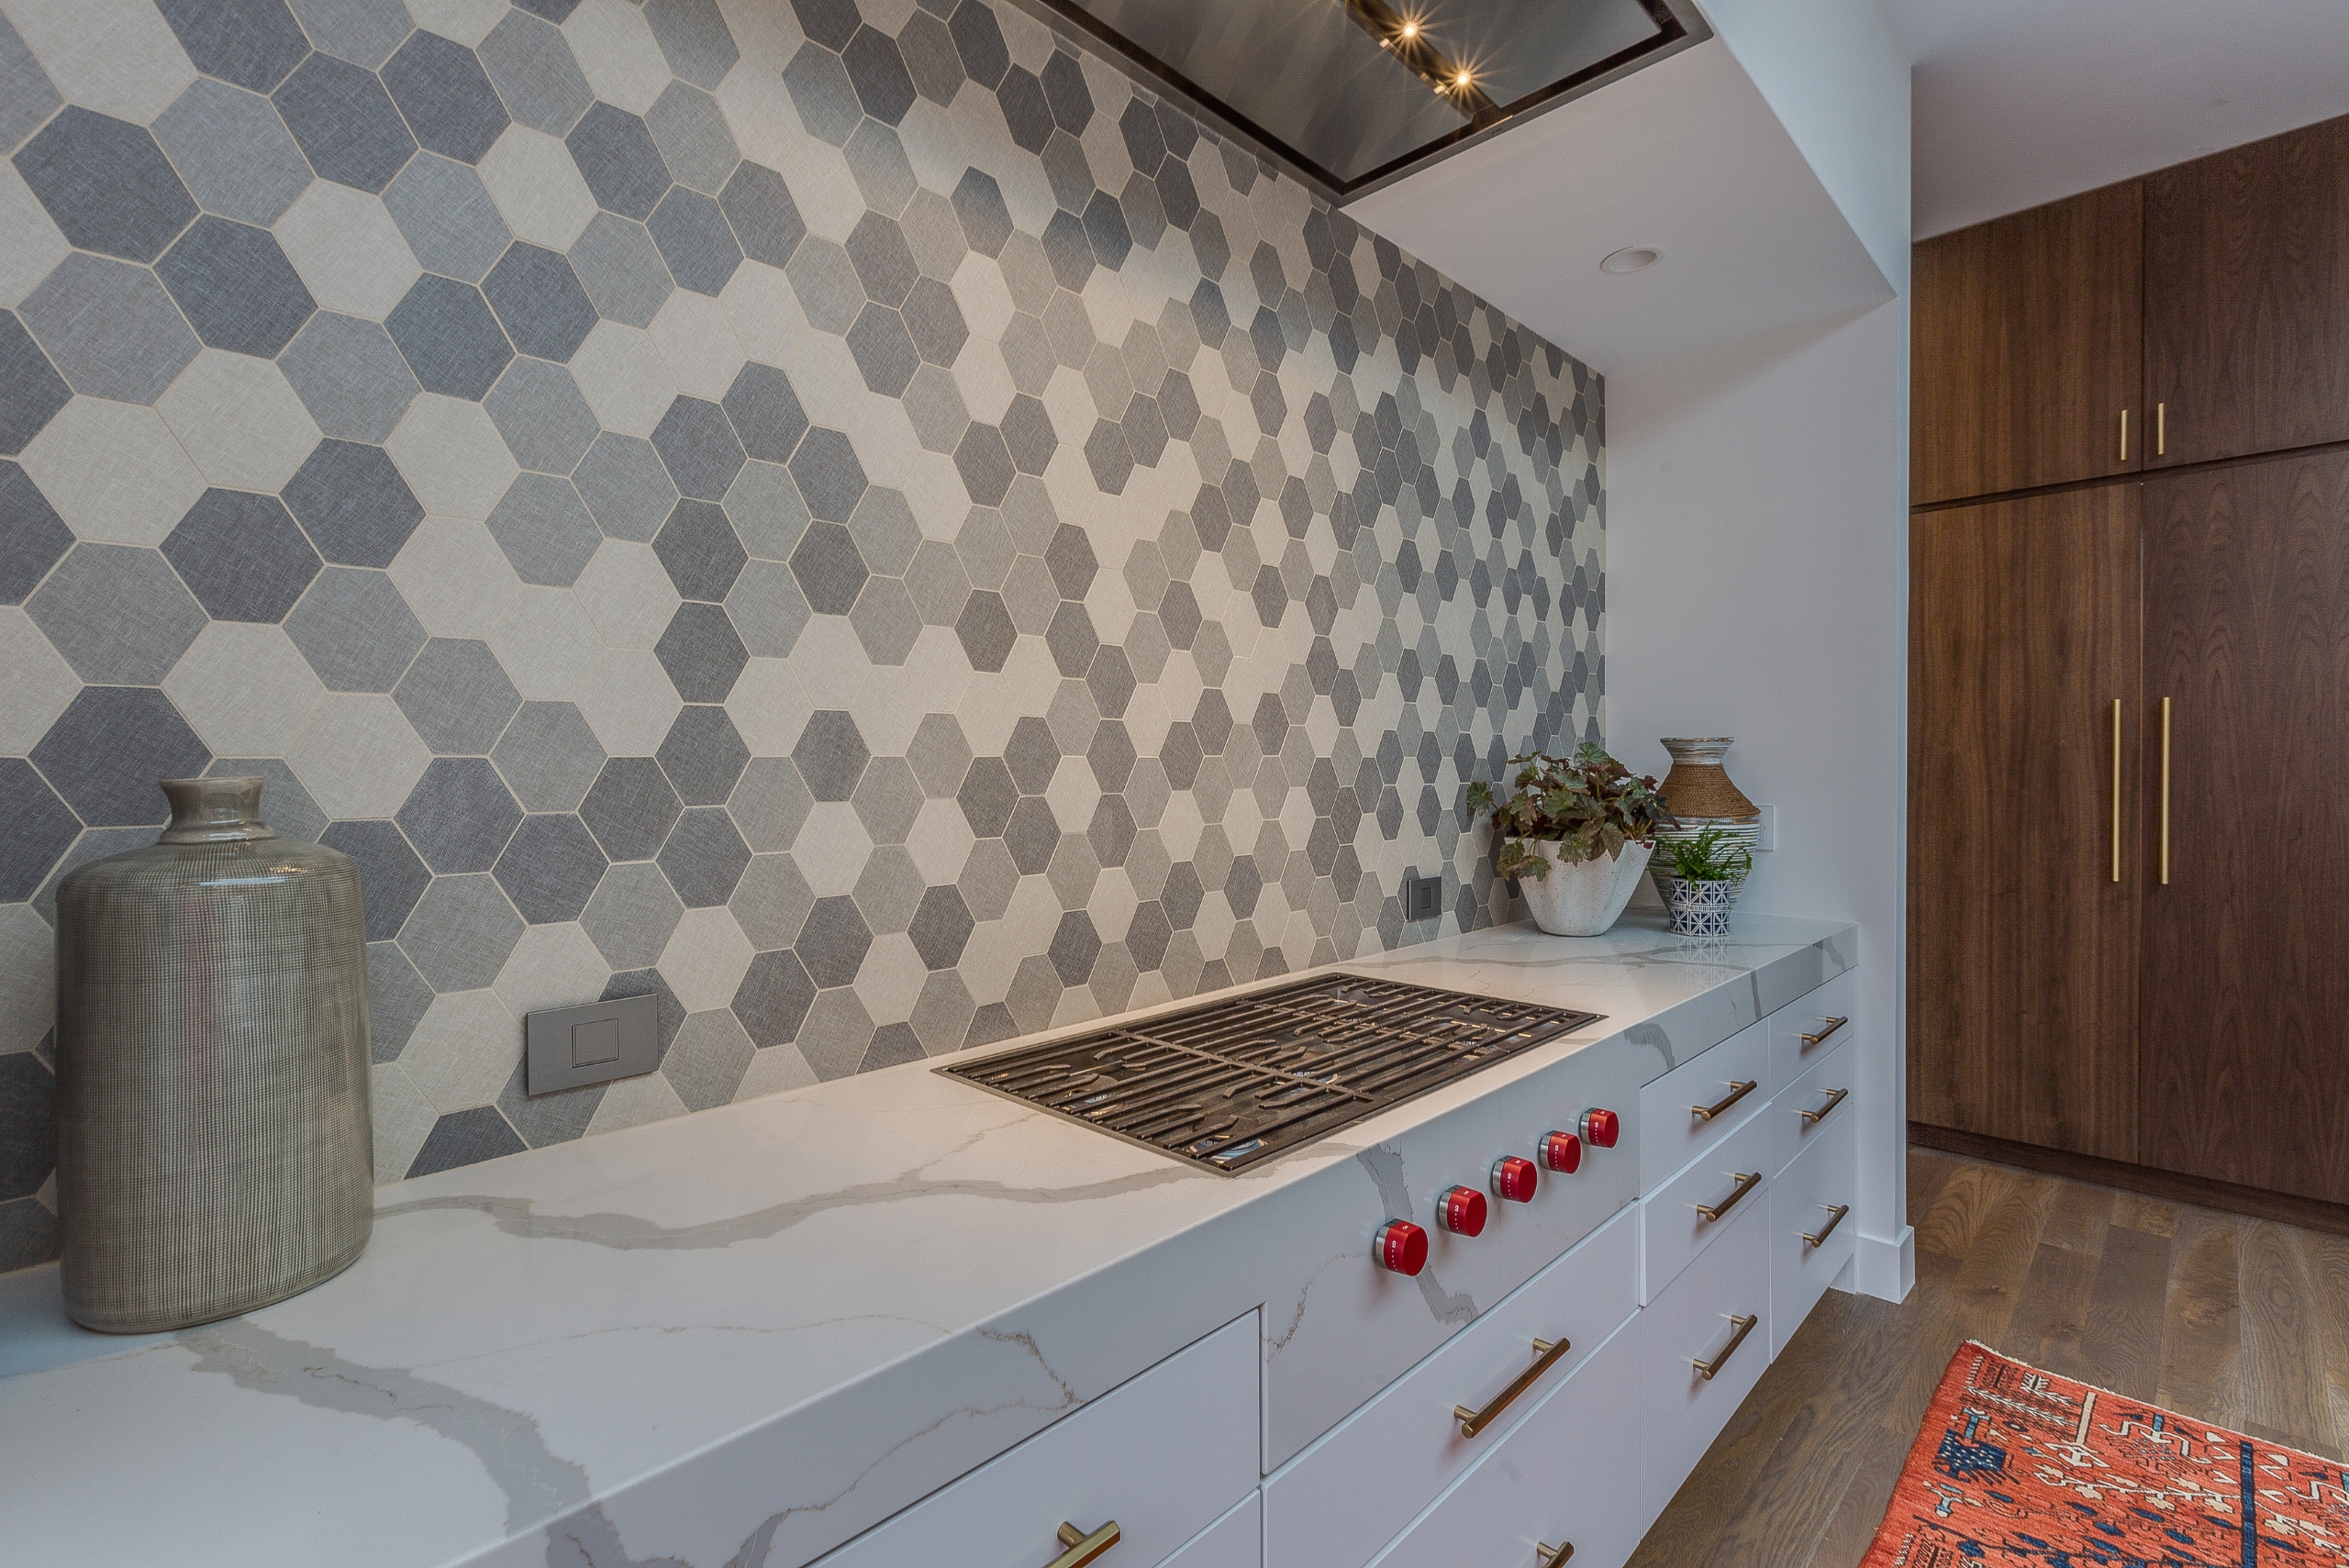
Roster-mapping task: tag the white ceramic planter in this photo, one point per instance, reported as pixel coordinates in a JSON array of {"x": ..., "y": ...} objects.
[{"x": 1585, "y": 898}]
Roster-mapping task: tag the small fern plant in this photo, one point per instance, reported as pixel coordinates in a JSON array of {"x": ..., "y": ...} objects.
[
  {"x": 1589, "y": 805},
  {"x": 1711, "y": 856}
]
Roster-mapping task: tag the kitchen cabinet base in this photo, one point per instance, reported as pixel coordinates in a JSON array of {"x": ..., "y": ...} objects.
[{"x": 2310, "y": 1213}]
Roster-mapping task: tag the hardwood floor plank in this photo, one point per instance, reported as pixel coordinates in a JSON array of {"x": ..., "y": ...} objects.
[
  {"x": 2122, "y": 1350},
  {"x": 2283, "y": 1340},
  {"x": 2202, "y": 1320}
]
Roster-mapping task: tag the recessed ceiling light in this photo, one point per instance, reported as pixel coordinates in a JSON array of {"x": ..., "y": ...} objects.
[{"x": 1632, "y": 259}]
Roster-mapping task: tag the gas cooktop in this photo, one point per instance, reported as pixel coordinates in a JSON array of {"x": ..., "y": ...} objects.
[{"x": 1229, "y": 1082}]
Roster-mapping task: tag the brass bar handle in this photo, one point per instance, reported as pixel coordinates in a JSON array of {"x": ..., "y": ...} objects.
[
  {"x": 1082, "y": 1548},
  {"x": 2165, "y": 792},
  {"x": 2124, "y": 435},
  {"x": 1736, "y": 1092},
  {"x": 1832, "y": 1025},
  {"x": 1474, "y": 1421},
  {"x": 1550, "y": 1556},
  {"x": 1835, "y": 1098},
  {"x": 2116, "y": 789},
  {"x": 1744, "y": 1327},
  {"x": 2161, "y": 429},
  {"x": 1745, "y": 1183},
  {"x": 1819, "y": 1238}
]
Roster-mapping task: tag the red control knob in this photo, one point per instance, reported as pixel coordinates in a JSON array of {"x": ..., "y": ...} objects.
[
  {"x": 1401, "y": 1246},
  {"x": 1461, "y": 1210},
  {"x": 1515, "y": 1179},
  {"x": 1600, "y": 1128},
  {"x": 1562, "y": 1152}
]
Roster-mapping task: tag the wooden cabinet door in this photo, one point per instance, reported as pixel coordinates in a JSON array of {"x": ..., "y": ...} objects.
[
  {"x": 2247, "y": 299},
  {"x": 2026, "y": 338},
  {"x": 2023, "y": 948},
  {"x": 2246, "y": 987}
]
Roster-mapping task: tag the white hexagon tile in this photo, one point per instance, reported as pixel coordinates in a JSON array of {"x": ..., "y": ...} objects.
[{"x": 856, "y": 521}]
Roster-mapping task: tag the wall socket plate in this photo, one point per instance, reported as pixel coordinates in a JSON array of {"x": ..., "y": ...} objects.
[
  {"x": 569, "y": 1048},
  {"x": 1423, "y": 898},
  {"x": 1768, "y": 843}
]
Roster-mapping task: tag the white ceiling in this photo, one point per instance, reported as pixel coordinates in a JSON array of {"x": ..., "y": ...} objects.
[
  {"x": 2020, "y": 102},
  {"x": 1684, "y": 155}
]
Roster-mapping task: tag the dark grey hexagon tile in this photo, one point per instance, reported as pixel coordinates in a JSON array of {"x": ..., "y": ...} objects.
[
  {"x": 704, "y": 857},
  {"x": 766, "y": 413},
  {"x": 757, "y": 202},
  {"x": 699, "y": 549},
  {"x": 252, "y": 43},
  {"x": 882, "y": 348},
  {"x": 28, "y": 1125},
  {"x": 830, "y": 478},
  {"x": 695, "y": 239},
  {"x": 390, "y": 876},
  {"x": 549, "y": 756},
  {"x": 693, "y": 37},
  {"x": 822, "y": 93},
  {"x": 449, "y": 338},
  {"x": 106, "y": 184},
  {"x": 118, "y": 614},
  {"x": 886, "y": 620},
  {"x": 887, "y": 800},
  {"x": 544, "y": 530},
  {"x": 929, "y": 55},
  {"x": 775, "y": 998},
  {"x": 356, "y": 631},
  {"x": 234, "y": 153},
  {"x": 549, "y": 868},
  {"x": 618, "y": 158},
  {"x": 829, "y": 569},
  {"x": 987, "y": 795},
  {"x": 767, "y": 608},
  {"x": 397, "y": 1000},
  {"x": 351, "y": 500},
  {"x": 621, "y": 270},
  {"x": 345, "y": 122},
  {"x": 702, "y": 653},
  {"x": 108, "y": 327},
  {"x": 236, "y": 287},
  {"x": 543, "y": 415},
  {"x": 31, "y": 392},
  {"x": 698, "y": 445},
  {"x": 465, "y": 1138},
  {"x": 703, "y": 755},
  {"x": 458, "y": 696},
  {"x": 242, "y": 555},
  {"x": 985, "y": 463},
  {"x": 460, "y": 815},
  {"x": 540, "y": 301},
  {"x": 94, "y": 844},
  {"x": 36, "y": 829},
  {"x": 33, "y": 537},
  {"x": 632, "y": 913},
  {"x": 834, "y": 942},
  {"x": 935, "y": 322},
  {"x": 107, "y": 749},
  {"x": 447, "y": 216},
  {"x": 884, "y": 87},
  {"x": 445, "y": 95},
  {"x": 690, "y": 131},
  {"x": 883, "y": 262},
  {"x": 986, "y": 630},
  {"x": 351, "y": 377},
  {"x": 30, "y": 1233},
  {"x": 630, "y": 808},
  {"x": 535, "y": 73}
]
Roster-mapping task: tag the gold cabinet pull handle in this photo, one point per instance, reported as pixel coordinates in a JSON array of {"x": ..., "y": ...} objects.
[
  {"x": 1736, "y": 1092},
  {"x": 1082, "y": 1548},
  {"x": 1746, "y": 1182},
  {"x": 1474, "y": 1421},
  {"x": 2116, "y": 789},
  {"x": 1832, "y": 1025},
  {"x": 2161, "y": 429},
  {"x": 2124, "y": 435},
  {"x": 1551, "y": 1556},
  {"x": 2165, "y": 792},
  {"x": 1819, "y": 1238},
  {"x": 1835, "y": 1098},
  {"x": 1744, "y": 1327}
]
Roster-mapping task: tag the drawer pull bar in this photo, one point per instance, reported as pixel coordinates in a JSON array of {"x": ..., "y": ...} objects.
[
  {"x": 1736, "y": 1092},
  {"x": 1082, "y": 1548},
  {"x": 1835, "y": 1098},
  {"x": 1832, "y": 1025},
  {"x": 1746, "y": 1182},
  {"x": 1744, "y": 1327},
  {"x": 1474, "y": 1421},
  {"x": 1819, "y": 1238},
  {"x": 1551, "y": 1556}
]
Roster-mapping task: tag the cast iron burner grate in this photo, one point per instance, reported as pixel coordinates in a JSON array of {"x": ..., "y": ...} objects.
[{"x": 1233, "y": 1082}]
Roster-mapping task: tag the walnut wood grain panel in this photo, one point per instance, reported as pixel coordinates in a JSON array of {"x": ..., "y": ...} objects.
[
  {"x": 2026, "y": 342},
  {"x": 2245, "y": 998},
  {"x": 2022, "y": 983},
  {"x": 2247, "y": 296}
]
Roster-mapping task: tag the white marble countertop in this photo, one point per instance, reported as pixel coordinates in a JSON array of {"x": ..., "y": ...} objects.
[{"x": 739, "y": 1337}]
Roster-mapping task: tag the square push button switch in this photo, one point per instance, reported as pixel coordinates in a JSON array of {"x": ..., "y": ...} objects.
[{"x": 571, "y": 1047}]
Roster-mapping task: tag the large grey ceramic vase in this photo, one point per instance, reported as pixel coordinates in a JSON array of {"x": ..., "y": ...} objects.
[{"x": 214, "y": 1153}]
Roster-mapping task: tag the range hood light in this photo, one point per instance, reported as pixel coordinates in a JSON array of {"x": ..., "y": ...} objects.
[{"x": 1632, "y": 259}]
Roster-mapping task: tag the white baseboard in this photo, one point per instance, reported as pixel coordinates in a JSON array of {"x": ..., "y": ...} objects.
[{"x": 1886, "y": 1269}]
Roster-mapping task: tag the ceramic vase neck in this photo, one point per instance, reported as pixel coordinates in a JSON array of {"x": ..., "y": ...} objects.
[{"x": 215, "y": 811}]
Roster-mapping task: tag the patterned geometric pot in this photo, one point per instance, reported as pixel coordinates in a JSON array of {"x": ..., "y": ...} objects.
[{"x": 1701, "y": 908}]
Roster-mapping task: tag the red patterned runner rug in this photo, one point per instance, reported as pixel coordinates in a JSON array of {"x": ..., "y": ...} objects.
[{"x": 2017, "y": 1468}]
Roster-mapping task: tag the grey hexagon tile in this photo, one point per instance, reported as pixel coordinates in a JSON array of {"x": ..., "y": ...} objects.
[
  {"x": 549, "y": 756},
  {"x": 363, "y": 31},
  {"x": 825, "y": 283},
  {"x": 550, "y": 868},
  {"x": 396, "y": 1000},
  {"x": 539, "y": 410},
  {"x": 695, "y": 239},
  {"x": 242, "y": 555},
  {"x": 31, "y": 392},
  {"x": 704, "y": 857},
  {"x": 460, "y": 815},
  {"x": 704, "y": 756},
  {"x": 356, "y": 630},
  {"x": 350, "y": 376},
  {"x": 26, "y": 94},
  {"x": 36, "y": 829},
  {"x": 700, "y": 551},
  {"x": 390, "y": 876},
  {"x": 345, "y": 122},
  {"x": 109, "y": 328},
  {"x": 118, "y": 614},
  {"x": 106, "y": 751},
  {"x": 766, "y": 413},
  {"x": 702, "y": 652},
  {"x": 626, "y": 486},
  {"x": 767, "y": 608},
  {"x": 460, "y": 933},
  {"x": 621, "y": 270},
  {"x": 33, "y": 537},
  {"x": 618, "y": 157},
  {"x": 351, "y": 500},
  {"x": 820, "y": 92},
  {"x": 545, "y": 531},
  {"x": 233, "y": 152},
  {"x": 106, "y": 184},
  {"x": 448, "y": 217},
  {"x": 632, "y": 913},
  {"x": 457, "y": 696},
  {"x": 465, "y": 1138},
  {"x": 758, "y": 203},
  {"x": 693, "y": 37},
  {"x": 690, "y": 131},
  {"x": 237, "y": 288},
  {"x": 449, "y": 337},
  {"x": 630, "y": 808},
  {"x": 445, "y": 97}
]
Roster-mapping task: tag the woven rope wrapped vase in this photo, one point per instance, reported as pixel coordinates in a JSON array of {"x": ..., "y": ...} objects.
[
  {"x": 215, "y": 1151},
  {"x": 1698, "y": 792}
]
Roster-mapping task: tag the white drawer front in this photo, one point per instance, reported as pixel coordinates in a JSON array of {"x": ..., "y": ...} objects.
[
  {"x": 1346, "y": 1495},
  {"x": 1164, "y": 1455},
  {"x": 1567, "y": 1475},
  {"x": 1235, "y": 1540},
  {"x": 1671, "y": 1134},
  {"x": 1825, "y": 1092},
  {"x": 1791, "y": 1054},
  {"x": 1803, "y": 1201},
  {"x": 1680, "y": 1409},
  {"x": 1678, "y": 1230}
]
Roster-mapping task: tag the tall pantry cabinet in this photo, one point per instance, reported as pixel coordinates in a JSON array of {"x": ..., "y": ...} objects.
[{"x": 2128, "y": 864}]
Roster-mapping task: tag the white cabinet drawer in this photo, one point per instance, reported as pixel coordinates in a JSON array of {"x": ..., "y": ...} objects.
[
  {"x": 1164, "y": 1455},
  {"x": 1680, "y": 1410},
  {"x": 1235, "y": 1540},
  {"x": 1671, "y": 1134},
  {"x": 1819, "y": 1100},
  {"x": 1802, "y": 1031},
  {"x": 1729, "y": 1179},
  {"x": 1343, "y": 1499},
  {"x": 1804, "y": 1201},
  {"x": 1567, "y": 1475}
]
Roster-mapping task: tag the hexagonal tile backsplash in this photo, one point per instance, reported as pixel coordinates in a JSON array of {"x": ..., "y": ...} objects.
[{"x": 846, "y": 516}]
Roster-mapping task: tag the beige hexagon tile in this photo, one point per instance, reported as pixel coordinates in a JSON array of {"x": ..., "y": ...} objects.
[
  {"x": 885, "y": 441},
  {"x": 30, "y": 245},
  {"x": 891, "y": 980},
  {"x": 539, "y": 190},
  {"x": 34, "y": 683},
  {"x": 824, "y": 189},
  {"x": 453, "y": 457},
  {"x": 553, "y": 966},
  {"x": 696, "y": 340},
  {"x": 245, "y": 689},
  {"x": 940, "y": 841},
  {"x": 118, "y": 57},
  {"x": 832, "y": 848},
  {"x": 705, "y": 959},
  {"x": 773, "y": 1070},
  {"x": 763, "y": 310},
  {"x": 633, "y": 1102},
  {"x": 627, "y": 594},
  {"x": 546, "y": 644},
  {"x": 114, "y": 471},
  {"x": 352, "y": 256},
  {"x": 617, "y": 54},
  {"x": 830, "y": 662},
  {"x": 769, "y": 706},
  {"x": 466, "y": 21},
  {"x": 402, "y": 1118},
  {"x": 238, "y": 419},
  {"x": 463, "y": 1050},
  {"x": 28, "y": 977},
  {"x": 623, "y": 378},
  {"x": 628, "y": 701},
  {"x": 454, "y": 577},
  {"x": 358, "y": 756}
]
